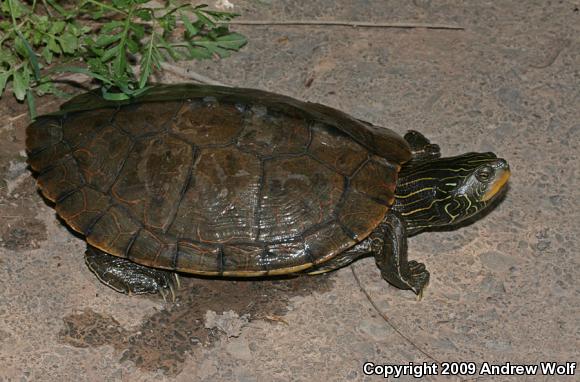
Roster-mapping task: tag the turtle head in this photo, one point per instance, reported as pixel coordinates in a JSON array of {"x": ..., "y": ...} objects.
[{"x": 446, "y": 191}]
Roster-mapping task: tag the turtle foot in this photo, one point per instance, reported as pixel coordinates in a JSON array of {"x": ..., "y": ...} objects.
[
  {"x": 418, "y": 277},
  {"x": 421, "y": 147},
  {"x": 130, "y": 278},
  {"x": 415, "y": 278}
]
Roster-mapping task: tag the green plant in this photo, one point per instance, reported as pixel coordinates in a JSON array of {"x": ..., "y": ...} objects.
[{"x": 119, "y": 43}]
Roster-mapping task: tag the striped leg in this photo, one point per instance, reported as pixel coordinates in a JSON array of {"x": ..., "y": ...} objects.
[
  {"x": 389, "y": 245},
  {"x": 128, "y": 277}
]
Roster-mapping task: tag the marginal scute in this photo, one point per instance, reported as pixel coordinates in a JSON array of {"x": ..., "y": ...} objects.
[
  {"x": 43, "y": 133},
  {"x": 197, "y": 258},
  {"x": 360, "y": 214},
  {"x": 47, "y": 157},
  {"x": 151, "y": 250},
  {"x": 113, "y": 232},
  {"x": 269, "y": 133},
  {"x": 81, "y": 209},
  {"x": 220, "y": 203},
  {"x": 146, "y": 118},
  {"x": 377, "y": 179},
  {"x": 242, "y": 257},
  {"x": 327, "y": 242},
  {"x": 100, "y": 159},
  {"x": 61, "y": 179},
  {"x": 151, "y": 181},
  {"x": 207, "y": 123},
  {"x": 336, "y": 149},
  {"x": 284, "y": 255},
  {"x": 298, "y": 193}
]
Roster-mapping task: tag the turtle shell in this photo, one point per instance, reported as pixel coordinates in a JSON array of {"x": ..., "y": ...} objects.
[{"x": 214, "y": 180}]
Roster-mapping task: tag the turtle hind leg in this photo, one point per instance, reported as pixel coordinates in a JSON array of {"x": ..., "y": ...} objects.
[
  {"x": 389, "y": 244},
  {"x": 128, "y": 277},
  {"x": 421, "y": 147}
]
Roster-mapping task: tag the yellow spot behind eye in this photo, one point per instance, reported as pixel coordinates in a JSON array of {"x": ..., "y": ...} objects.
[{"x": 496, "y": 186}]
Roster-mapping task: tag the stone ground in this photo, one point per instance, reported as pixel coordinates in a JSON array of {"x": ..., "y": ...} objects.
[{"x": 504, "y": 289}]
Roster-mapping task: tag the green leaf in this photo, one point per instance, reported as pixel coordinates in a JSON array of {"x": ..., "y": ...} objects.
[
  {"x": 148, "y": 62},
  {"x": 199, "y": 53},
  {"x": 138, "y": 92},
  {"x": 220, "y": 45},
  {"x": 204, "y": 19},
  {"x": 46, "y": 87},
  {"x": 85, "y": 29},
  {"x": 31, "y": 56},
  {"x": 133, "y": 46},
  {"x": 19, "y": 85},
  {"x": 110, "y": 53},
  {"x": 110, "y": 27},
  {"x": 122, "y": 4},
  {"x": 120, "y": 63},
  {"x": 96, "y": 66},
  {"x": 168, "y": 48},
  {"x": 106, "y": 40},
  {"x": 3, "y": 79},
  {"x": 53, "y": 46},
  {"x": 59, "y": 9},
  {"x": 168, "y": 23},
  {"x": 115, "y": 96},
  {"x": 7, "y": 57},
  {"x": 16, "y": 8},
  {"x": 191, "y": 30},
  {"x": 68, "y": 42},
  {"x": 5, "y": 25},
  {"x": 31, "y": 104},
  {"x": 138, "y": 30},
  {"x": 223, "y": 16},
  {"x": 19, "y": 47},
  {"x": 47, "y": 55},
  {"x": 57, "y": 27},
  {"x": 144, "y": 14},
  {"x": 232, "y": 41}
]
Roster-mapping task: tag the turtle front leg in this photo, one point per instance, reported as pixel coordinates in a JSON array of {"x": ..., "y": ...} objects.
[
  {"x": 128, "y": 277},
  {"x": 389, "y": 245},
  {"x": 421, "y": 148}
]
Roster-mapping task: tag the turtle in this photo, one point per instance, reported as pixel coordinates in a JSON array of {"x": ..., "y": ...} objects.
[{"x": 235, "y": 182}]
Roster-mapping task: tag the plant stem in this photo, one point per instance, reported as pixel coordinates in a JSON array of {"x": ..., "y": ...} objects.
[
  {"x": 46, "y": 7},
  {"x": 362, "y": 24},
  {"x": 12, "y": 14}
]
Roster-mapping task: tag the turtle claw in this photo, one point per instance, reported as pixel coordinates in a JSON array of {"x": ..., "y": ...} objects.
[
  {"x": 172, "y": 287},
  {"x": 418, "y": 277},
  {"x": 421, "y": 147},
  {"x": 168, "y": 292},
  {"x": 163, "y": 294}
]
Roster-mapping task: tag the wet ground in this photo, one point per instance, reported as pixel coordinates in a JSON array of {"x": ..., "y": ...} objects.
[{"x": 504, "y": 289}]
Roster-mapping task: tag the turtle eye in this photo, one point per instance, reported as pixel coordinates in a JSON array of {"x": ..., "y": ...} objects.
[{"x": 484, "y": 174}]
